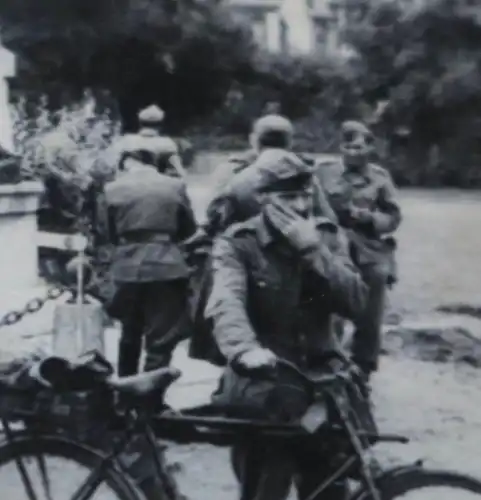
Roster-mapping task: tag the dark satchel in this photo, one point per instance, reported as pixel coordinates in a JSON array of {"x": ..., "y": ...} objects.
[
  {"x": 203, "y": 345},
  {"x": 279, "y": 394},
  {"x": 87, "y": 372}
]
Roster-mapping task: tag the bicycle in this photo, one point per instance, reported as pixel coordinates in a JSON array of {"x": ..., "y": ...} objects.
[{"x": 205, "y": 424}]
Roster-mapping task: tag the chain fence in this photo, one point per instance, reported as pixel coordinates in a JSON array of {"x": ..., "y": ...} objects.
[{"x": 34, "y": 305}]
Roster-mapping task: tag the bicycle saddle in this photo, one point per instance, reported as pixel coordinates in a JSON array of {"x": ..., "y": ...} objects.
[{"x": 146, "y": 383}]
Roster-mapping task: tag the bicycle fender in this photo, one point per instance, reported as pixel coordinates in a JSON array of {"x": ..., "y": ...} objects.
[{"x": 385, "y": 478}]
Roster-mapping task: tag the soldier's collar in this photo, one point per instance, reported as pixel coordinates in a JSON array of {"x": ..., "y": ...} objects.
[
  {"x": 348, "y": 170},
  {"x": 358, "y": 177},
  {"x": 264, "y": 234},
  {"x": 148, "y": 132},
  {"x": 142, "y": 169}
]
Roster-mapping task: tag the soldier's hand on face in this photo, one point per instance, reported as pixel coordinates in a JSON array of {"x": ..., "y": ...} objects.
[
  {"x": 301, "y": 233},
  {"x": 362, "y": 215},
  {"x": 257, "y": 358}
]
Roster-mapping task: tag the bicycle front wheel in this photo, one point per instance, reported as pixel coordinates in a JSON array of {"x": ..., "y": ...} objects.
[
  {"x": 53, "y": 468},
  {"x": 421, "y": 484}
]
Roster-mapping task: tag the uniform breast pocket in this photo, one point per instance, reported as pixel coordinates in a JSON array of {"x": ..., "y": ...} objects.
[
  {"x": 339, "y": 199},
  {"x": 365, "y": 198}
]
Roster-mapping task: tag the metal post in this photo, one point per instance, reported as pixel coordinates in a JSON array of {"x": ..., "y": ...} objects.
[{"x": 80, "y": 298}]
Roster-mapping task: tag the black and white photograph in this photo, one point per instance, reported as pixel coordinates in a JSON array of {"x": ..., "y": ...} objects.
[{"x": 240, "y": 249}]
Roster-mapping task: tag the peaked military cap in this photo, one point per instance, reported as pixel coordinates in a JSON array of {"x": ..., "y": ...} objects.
[
  {"x": 273, "y": 123},
  {"x": 151, "y": 115},
  {"x": 355, "y": 126},
  {"x": 287, "y": 172}
]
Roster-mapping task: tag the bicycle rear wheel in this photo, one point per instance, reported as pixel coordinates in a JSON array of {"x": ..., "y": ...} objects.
[
  {"x": 54, "y": 468},
  {"x": 422, "y": 484}
]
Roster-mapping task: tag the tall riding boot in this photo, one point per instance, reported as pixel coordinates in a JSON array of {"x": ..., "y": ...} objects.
[
  {"x": 129, "y": 357},
  {"x": 367, "y": 338}
]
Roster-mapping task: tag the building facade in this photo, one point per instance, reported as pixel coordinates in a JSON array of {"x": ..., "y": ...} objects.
[
  {"x": 266, "y": 21},
  {"x": 294, "y": 26}
]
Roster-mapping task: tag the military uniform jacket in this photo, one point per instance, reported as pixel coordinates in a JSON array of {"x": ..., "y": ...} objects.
[
  {"x": 265, "y": 295},
  {"x": 235, "y": 199},
  {"x": 149, "y": 214},
  {"x": 371, "y": 189}
]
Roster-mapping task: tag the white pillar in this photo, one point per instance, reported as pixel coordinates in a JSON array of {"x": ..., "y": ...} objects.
[
  {"x": 273, "y": 31},
  {"x": 18, "y": 231},
  {"x": 299, "y": 25},
  {"x": 7, "y": 70}
]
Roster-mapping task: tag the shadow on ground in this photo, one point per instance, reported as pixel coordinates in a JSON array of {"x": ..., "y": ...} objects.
[{"x": 437, "y": 341}]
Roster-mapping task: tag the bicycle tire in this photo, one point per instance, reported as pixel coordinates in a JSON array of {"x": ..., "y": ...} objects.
[
  {"x": 59, "y": 447},
  {"x": 407, "y": 481}
]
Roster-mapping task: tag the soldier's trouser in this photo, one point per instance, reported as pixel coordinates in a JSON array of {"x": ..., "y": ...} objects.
[
  {"x": 267, "y": 472},
  {"x": 156, "y": 312},
  {"x": 367, "y": 338}
]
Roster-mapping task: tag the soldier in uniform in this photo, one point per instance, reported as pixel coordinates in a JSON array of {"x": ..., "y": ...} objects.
[
  {"x": 275, "y": 286},
  {"x": 148, "y": 216},
  {"x": 272, "y": 136},
  {"x": 237, "y": 201},
  {"x": 364, "y": 199},
  {"x": 165, "y": 149}
]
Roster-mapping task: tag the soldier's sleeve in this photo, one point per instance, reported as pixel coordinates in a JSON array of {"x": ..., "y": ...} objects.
[
  {"x": 226, "y": 305},
  {"x": 176, "y": 163},
  {"x": 187, "y": 221},
  {"x": 219, "y": 213},
  {"x": 336, "y": 239},
  {"x": 322, "y": 207},
  {"x": 104, "y": 230},
  {"x": 347, "y": 289},
  {"x": 387, "y": 216}
]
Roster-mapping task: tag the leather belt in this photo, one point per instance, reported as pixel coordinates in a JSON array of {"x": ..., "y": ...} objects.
[{"x": 144, "y": 237}]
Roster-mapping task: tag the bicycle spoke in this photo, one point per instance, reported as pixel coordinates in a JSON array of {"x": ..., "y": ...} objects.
[
  {"x": 86, "y": 491},
  {"x": 44, "y": 476},
  {"x": 22, "y": 470},
  {"x": 25, "y": 479}
]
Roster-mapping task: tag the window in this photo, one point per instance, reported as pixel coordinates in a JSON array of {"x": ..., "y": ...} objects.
[
  {"x": 320, "y": 34},
  {"x": 259, "y": 30},
  {"x": 319, "y": 5},
  {"x": 284, "y": 41}
]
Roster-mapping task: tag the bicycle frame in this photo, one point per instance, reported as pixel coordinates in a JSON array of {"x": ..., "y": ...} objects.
[
  {"x": 198, "y": 425},
  {"x": 207, "y": 425}
]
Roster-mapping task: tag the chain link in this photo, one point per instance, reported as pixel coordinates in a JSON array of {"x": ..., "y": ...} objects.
[{"x": 34, "y": 305}]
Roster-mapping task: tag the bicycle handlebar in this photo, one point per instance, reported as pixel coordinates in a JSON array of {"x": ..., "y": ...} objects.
[
  {"x": 324, "y": 378},
  {"x": 310, "y": 381}
]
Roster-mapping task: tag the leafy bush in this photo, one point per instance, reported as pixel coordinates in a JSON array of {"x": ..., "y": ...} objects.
[
  {"x": 316, "y": 94},
  {"x": 425, "y": 63},
  {"x": 142, "y": 51},
  {"x": 92, "y": 132}
]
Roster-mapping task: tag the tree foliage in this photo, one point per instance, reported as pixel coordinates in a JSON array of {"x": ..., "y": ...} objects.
[
  {"x": 182, "y": 54},
  {"x": 426, "y": 63}
]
